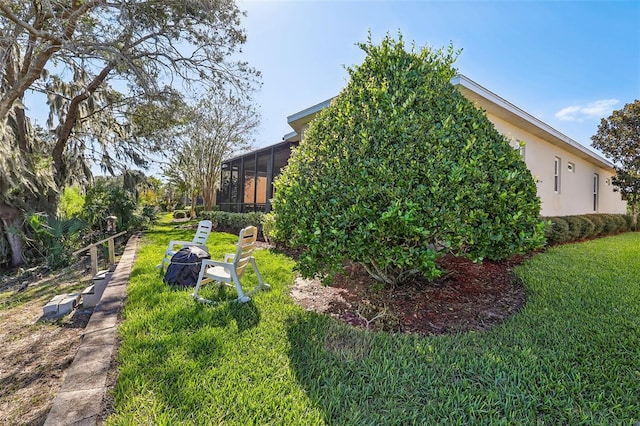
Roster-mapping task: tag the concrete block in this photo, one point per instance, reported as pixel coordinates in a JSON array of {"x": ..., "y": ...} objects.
[
  {"x": 80, "y": 407},
  {"x": 100, "y": 281},
  {"x": 51, "y": 308},
  {"x": 68, "y": 303},
  {"x": 100, "y": 275},
  {"x": 89, "y": 297}
]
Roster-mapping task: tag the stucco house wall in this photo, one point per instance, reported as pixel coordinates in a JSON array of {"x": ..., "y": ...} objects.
[
  {"x": 571, "y": 179},
  {"x": 574, "y": 193}
]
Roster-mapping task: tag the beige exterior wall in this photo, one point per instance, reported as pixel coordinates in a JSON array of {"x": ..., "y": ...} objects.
[{"x": 575, "y": 193}]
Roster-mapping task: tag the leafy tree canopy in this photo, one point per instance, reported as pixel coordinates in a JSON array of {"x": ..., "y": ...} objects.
[
  {"x": 401, "y": 168},
  {"x": 220, "y": 124},
  {"x": 115, "y": 75},
  {"x": 618, "y": 137}
]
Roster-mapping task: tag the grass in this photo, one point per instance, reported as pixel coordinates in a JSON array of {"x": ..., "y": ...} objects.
[{"x": 570, "y": 356}]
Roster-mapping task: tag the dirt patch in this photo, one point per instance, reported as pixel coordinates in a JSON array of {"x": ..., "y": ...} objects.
[
  {"x": 468, "y": 296},
  {"x": 35, "y": 352}
]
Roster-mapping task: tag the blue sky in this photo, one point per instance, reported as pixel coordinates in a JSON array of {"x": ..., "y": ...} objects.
[{"x": 568, "y": 63}]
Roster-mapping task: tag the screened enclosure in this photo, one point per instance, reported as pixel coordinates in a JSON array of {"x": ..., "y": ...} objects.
[{"x": 246, "y": 182}]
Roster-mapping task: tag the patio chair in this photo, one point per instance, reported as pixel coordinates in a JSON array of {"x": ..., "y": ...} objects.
[
  {"x": 199, "y": 240},
  {"x": 230, "y": 270}
]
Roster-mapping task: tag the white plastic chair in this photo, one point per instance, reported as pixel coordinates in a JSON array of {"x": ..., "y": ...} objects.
[
  {"x": 200, "y": 240},
  {"x": 230, "y": 270}
]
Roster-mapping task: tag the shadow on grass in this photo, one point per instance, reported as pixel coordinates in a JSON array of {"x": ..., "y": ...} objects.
[
  {"x": 325, "y": 358},
  {"x": 246, "y": 315}
]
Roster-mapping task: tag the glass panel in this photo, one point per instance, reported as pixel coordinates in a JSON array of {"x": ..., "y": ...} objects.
[
  {"x": 261, "y": 185},
  {"x": 249, "y": 179},
  {"x": 235, "y": 177},
  {"x": 595, "y": 192},
  {"x": 225, "y": 185}
]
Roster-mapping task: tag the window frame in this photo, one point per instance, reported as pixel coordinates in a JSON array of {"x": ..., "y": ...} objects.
[
  {"x": 557, "y": 167},
  {"x": 596, "y": 192}
]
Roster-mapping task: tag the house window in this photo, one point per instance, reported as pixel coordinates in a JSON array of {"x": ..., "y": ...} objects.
[
  {"x": 571, "y": 167},
  {"x": 522, "y": 148},
  {"x": 556, "y": 175},
  {"x": 596, "y": 178}
]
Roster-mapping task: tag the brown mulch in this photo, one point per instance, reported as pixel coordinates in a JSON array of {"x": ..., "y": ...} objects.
[{"x": 468, "y": 296}]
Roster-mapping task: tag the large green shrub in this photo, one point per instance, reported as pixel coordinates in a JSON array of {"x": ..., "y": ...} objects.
[
  {"x": 71, "y": 202},
  {"x": 105, "y": 198},
  {"x": 400, "y": 168}
]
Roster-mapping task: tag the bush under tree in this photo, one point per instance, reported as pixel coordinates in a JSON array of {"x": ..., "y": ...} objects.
[{"x": 401, "y": 168}]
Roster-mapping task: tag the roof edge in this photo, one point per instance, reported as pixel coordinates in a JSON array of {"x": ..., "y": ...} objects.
[
  {"x": 308, "y": 111},
  {"x": 466, "y": 82}
]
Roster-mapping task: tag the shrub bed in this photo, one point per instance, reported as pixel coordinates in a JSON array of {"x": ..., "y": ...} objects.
[
  {"x": 180, "y": 214},
  {"x": 563, "y": 229},
  {"x": 233, "y": 222}
]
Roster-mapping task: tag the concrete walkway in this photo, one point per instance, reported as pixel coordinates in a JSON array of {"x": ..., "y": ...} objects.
[{"x": 79, "y": 401}]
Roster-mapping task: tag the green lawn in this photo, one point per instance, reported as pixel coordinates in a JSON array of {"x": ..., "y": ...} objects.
[{"x": 571, "y": 356}]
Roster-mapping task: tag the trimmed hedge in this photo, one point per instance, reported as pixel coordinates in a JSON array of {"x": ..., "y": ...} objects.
[
  {"x": 180, "y": 214},
  {"x": 233, "y": 222},
  {"x": 563, "y": 229}
]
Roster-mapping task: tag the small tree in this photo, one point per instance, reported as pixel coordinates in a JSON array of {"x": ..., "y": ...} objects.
[
  {"x": 618, "y": 137},
  {"x": 220, "y": 124},
  {"x": 401, "y": 168}
]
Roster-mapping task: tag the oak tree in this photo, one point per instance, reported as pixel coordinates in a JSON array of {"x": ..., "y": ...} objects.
[
  {"x": 97, "y": 64},
  {"x": 618, "y": 137}
]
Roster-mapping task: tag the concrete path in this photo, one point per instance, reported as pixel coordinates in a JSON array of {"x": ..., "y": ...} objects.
[{"x": 79, "y": 401}]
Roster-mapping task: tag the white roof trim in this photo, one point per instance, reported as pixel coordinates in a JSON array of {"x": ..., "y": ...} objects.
[
  {"x": 308, "y": 111},
  {"x": 461, "y": 80},
  {"x": 289, "y": 136}
]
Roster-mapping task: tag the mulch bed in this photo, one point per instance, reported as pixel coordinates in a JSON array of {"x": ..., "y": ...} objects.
[{"x": 469, "y": 296}]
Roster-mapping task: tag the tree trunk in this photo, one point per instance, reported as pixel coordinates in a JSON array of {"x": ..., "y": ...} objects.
[
  {"x": 12, "y": 221},
  {"x": 194, "y": 196}
]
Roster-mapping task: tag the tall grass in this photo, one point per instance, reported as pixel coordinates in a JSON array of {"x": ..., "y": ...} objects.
[{"x": 570, "y": 356}]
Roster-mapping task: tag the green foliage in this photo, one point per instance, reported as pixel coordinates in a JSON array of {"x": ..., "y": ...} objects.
[
  {"x": 598, "y": 225},
  {"x": 71, "y": 202},
  {"x": 106, "y": 198},
  {"x": 557, "y": 230},
  {"x": 180, "y": 214},
  {"x": 562, "y": 229},
  {"x": 569, "y": 356},
  {"x": 582, "y": 227},
  {"x": 54, "y": 238},
  {"x": 150, "y": 213},
  {"x": 268, "y": 225},
  {"x": 618, "y": 137},
  {"x": 234, "y": 222},
  {"x": 400, "y": 168}
]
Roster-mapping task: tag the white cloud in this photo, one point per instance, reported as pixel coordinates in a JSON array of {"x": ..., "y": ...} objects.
[{"x": 597, "y": 109}]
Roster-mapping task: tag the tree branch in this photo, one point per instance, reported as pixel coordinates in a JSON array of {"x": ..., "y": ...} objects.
[{"x": 70, "y": 121}]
